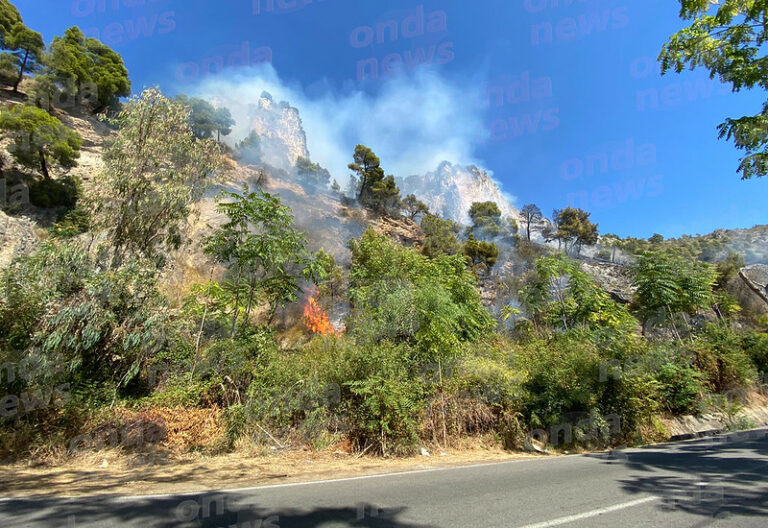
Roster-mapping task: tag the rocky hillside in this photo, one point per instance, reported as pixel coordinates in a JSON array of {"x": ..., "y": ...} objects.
[
  {"x": 327, "y": 219},
  {"x": 451, "y": 189}
]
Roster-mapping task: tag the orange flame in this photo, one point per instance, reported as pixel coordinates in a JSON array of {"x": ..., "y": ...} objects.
[{"x": 316, "y": 319}]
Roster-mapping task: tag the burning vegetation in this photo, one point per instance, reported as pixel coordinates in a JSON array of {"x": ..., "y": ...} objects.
[{"x": 316, "y": 319}]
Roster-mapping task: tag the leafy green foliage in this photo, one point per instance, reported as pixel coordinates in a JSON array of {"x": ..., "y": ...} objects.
[
  {"x": 87, "y": 71},
  {"x": 154, "y": 170},
  {"x": 756, "y": 346},
  {"x": 102, "y": 325},
  {"x": 262, "y": 247},
  {"x": 481, "y": 255},
  {"x": 414, "y": 207},
  {"x": 562, "y": 296},
  {"x": 312, "y": 173},
  {"x": 26, "y": 47},
  {"x": 331, "y": 276},
  {"x": 39, "y": 139},
  {"x": 722, "y": 359},
  {"x": 486, "y": 220},
  {"x": 727, "y": 39},
  {"x": 205, "y": 119},
  {"x": 9, "y": 17},
  {"x": 403, "y": 296},
  {"x": 47, "y": 193},
  {"x": 681, "y": 385},
  {"x": 72, "y": 223},
  {"x": 440, "y": 236},
  {"x": 574, "y": 228},
  {"x": 374, "y": 190},
  {"x": 667, "y": 285}
]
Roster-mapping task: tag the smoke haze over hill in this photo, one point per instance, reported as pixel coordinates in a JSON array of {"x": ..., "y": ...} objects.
[{"x": 412, "y": 123}]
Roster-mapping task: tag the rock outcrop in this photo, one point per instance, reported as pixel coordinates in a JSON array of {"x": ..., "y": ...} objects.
[
  {"x": 282, "y": 137},
  {"x": 751, "y": 287},
  {"x": 450, "y": 190},
  {"x": 613, "y": 278}
]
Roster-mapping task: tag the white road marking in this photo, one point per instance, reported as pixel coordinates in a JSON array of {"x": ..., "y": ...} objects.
[{"x": 593, "y": 513}]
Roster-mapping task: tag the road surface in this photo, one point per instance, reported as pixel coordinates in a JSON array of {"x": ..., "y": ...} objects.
[{"x": 720, "y": 481}]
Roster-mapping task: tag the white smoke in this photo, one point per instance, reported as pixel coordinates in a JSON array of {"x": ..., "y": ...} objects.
[{"x": 412, "y": 122}]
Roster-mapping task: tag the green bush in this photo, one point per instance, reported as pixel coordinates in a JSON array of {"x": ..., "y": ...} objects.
[
  {"x": 385, "y": 414},
  {"x": 563, "y": 377},
  {"x": 722, "y": 360},
  {"x": 401, "y": 295},
  {"x": 756, "y": 346},
  {"x": 72, "y": 223},
  {"x": 681, "y": 387}
]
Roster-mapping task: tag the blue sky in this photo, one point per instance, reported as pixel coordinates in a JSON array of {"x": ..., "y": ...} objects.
[{"x": 561, "y": 99}]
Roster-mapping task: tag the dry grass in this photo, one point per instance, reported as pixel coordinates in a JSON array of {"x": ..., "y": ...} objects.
[
  {"x": 118, "y": 472},
  {"x": 452, "y": 418}
]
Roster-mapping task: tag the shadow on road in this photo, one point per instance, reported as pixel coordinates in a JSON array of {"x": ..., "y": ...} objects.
[
  {"x": 206, "y": 510},
  {"x": 715, "y": 477}
]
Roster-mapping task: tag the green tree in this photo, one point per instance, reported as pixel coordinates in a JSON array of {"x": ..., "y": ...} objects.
[
  {"x": 39, "y": 139},
  {"x": 486, "y": 219},
  {"x": 656, "y": 239},
  {"x": 668, "y": 285},
  {"x": 374, "y": 190},
  {"x": 332, "y": 282},
  {"x": 531, "y": 214},
  {"x": 224, "y": 122},
  {"x": 561, "y": 295},
  {"x": 481, "y": 255},
  {"x": 384, "y": 197},
  {"x": 102, "y": 326},
  {"x": 262, "y": 248},
  {"x": 249, "y": 149},
  {"x": 205, "y": 119},
  {"x": 403, "y": 296},
  {"x": 440, "y": 236},
  {"x": 86, "y": 70},
  {"x": 27, "y": 47},
  {"x": 201, "y": 116},
  {"x": 312, "y": 173},
  {"x": 414, "y": 207},
  {"x": 575, "y": 229},
  {"x": 154, "y": 170},
  {"x": 367, "y": 166},
  {"x": 9, "y": 17},
  {"x": 727, "y": 38}
]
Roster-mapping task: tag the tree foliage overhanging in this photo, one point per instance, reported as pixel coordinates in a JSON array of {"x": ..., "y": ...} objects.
[{"x": 727, "y": 38}]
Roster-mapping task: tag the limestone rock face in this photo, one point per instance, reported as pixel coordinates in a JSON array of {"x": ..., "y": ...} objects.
[
  {"x": 758, "y": 274},
  {"x": 17, "y": 238},
  {"x": 450, "y": 190},
  {"x": 751, "y": 288},
  {"x": 280, "y": 130},
  {"x": 613, "y": 278}
]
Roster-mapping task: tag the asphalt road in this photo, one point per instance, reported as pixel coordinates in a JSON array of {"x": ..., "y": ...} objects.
[{"x": 721, "y": 481}]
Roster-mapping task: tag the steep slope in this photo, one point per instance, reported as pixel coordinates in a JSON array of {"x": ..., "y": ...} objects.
[{"x": 450, "y": 190}]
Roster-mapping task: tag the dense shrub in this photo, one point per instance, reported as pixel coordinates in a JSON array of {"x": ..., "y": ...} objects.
[
  {"x": 721, "y": 359},
  {"x": 756, "y": 346}
]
